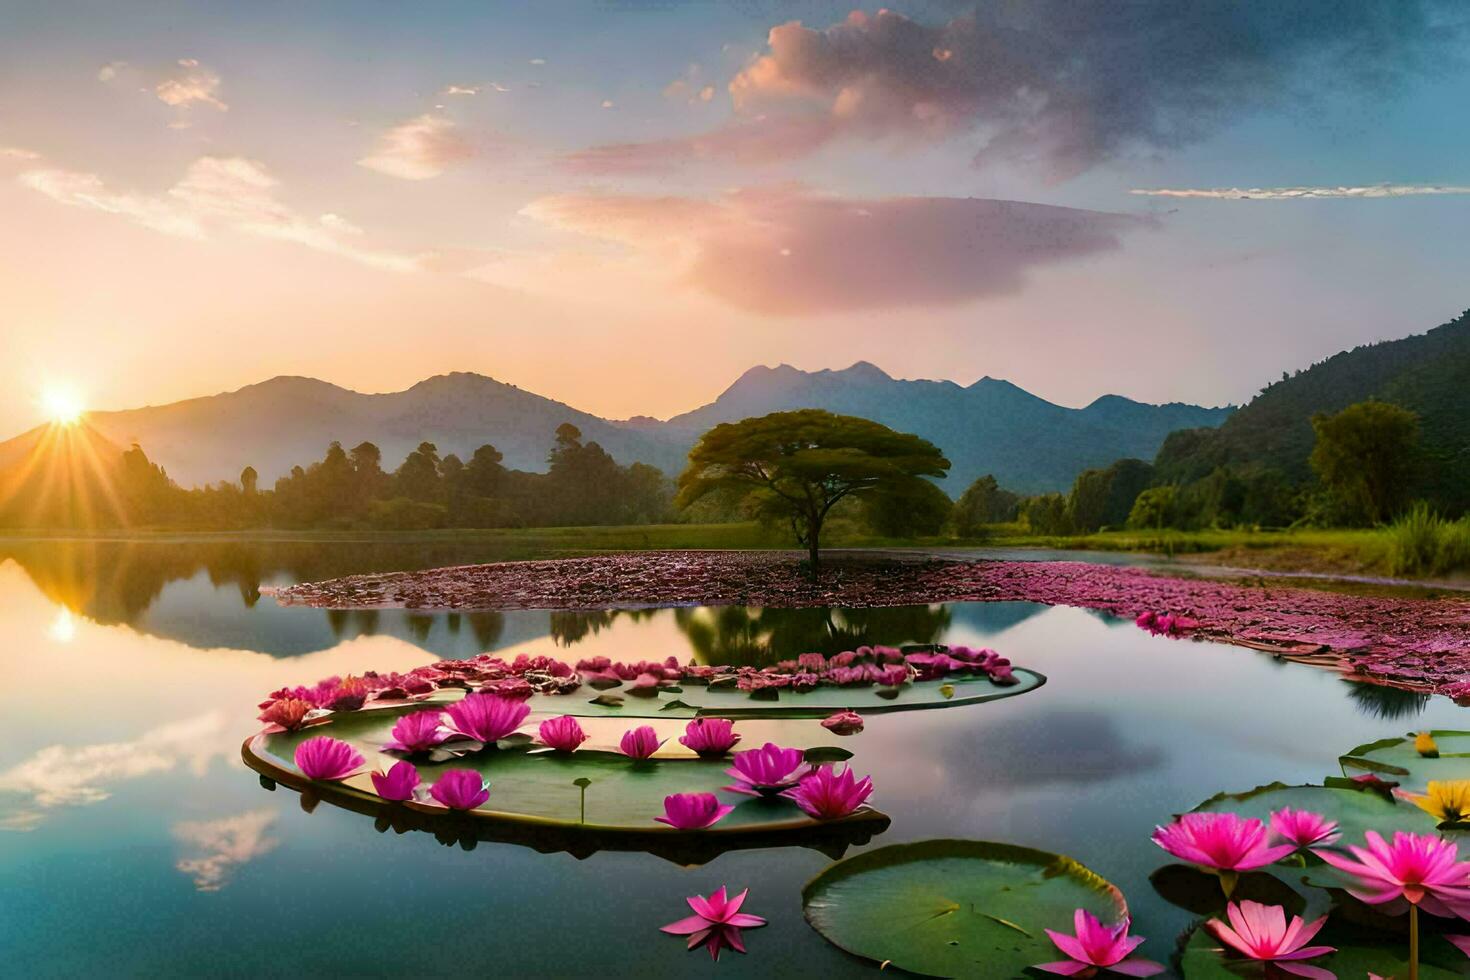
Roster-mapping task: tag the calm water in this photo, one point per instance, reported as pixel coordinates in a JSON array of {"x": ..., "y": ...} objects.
[{"x": 133, "y": 841}]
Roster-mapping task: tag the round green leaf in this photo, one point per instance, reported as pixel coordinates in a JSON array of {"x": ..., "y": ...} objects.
[
  {"x": 1396, "y": 759},
  {"x": 581, "y": 802},
  {"x": 955, "y": 908},
  {"x": 1355, "y": 810},
  {"x": 729, "y": 702}
]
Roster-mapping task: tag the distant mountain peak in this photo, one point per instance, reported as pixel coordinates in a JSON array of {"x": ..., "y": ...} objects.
[{"x": 865, "y": 371}]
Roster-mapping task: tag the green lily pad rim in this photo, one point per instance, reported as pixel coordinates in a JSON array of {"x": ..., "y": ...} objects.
[
  {"x": 892, "y": 855},
  {"x": 756, "y": 711},
  {"x": 1354, "y": 757},
  {"x": 255, "y": 755}
]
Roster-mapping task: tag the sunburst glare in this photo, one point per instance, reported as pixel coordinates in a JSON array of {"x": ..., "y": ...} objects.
[{"x": 62, "y": 404}]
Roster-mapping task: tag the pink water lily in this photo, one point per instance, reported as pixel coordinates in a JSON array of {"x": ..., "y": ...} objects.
[
  {"x": 398, "y": 783},
  {"x": 827, "y": 794},
  {"x": 322, "y": 757},
  {"x": 640, "y": 742},
  {"x": 1422, "y": 870},
  {"x": 716, "y": 922},
  {"x": 766, "y": 771},
  {"x": 1262, "y": 933},
  {"x": 1222, "y": 841},
  {"x": 693, "y": 811},
  {"x": 460, "y": 789},
  {"x": 487, "y": 718},
  {"x": 843, "y": 723},
  {"x": 1303, "y": 828},
  {"x": 418, "y": 732},
  {"x": 1095, "y": 946},
  {"x": 709, "y": 736},
  {"x": 563, "y": 734}
]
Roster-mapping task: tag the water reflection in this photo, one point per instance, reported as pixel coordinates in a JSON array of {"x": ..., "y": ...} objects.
[{"x": 133, "y": 674}]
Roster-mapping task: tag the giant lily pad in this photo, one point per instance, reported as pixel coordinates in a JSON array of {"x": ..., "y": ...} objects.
[
  {"x": 1355, "y": 810},
  {"x": 1359, "y": 954},
  {"x": 955, "y": 908},
  {"x": 692, "y": 700},
  {"x": 1396, "y": 759},
  {"x": 541, "y": 795}
]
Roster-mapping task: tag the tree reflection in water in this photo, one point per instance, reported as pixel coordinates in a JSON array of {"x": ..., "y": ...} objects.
[{"x": 748, "y": 636}]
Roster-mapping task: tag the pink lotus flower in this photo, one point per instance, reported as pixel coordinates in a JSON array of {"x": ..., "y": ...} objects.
[
  {"x": 716, "y": 922},
  {"x": 1096, "y": 945},
  {"x": 1303, "y": 828},
  {"x": 1261, "y": 932},
  {"x": 460, "y": 789},
  {"x": 287, "y": 713},
  {"x": 827, "y": 794},
  {"x": 843, "y": 723},
  {"x": 418, "y": 732},
  {"x": 640, "y": 742},
  {"x": 398, "y": 783},
  {"x": 563, "y": 734},
  {"x": 1223, "y": 841},
  {"x": 693, "y": 811},
  {"x": 766, "y": 771},
  {"x": 1421, "y": 869},
  {"x": 322, "y": 757},
  {"x": 709, "y": 736},
  {"x": 487, "y": 718}
]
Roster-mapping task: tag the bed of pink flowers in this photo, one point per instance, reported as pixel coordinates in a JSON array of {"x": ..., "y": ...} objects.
[{"x": 292, "y": 707}]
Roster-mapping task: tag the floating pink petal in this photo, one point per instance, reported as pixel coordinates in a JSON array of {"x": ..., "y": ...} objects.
[
  {"x": 487, "y": 718},
  {"x": 323, "y": 757},
  {"x": 827, "y": 794},
  {"x": 1303, "y": 828},
  {"x": 1094, "y": 945},
  {"x": 1422, "y": 869},
  {"x": 843, "y": 723},
  {"x": 709, "y": 736},
  {"x": 716, "y": 922},
  {"x": 767, "y": 770},
  {"x": 1262, "y": 933},
  {"x": 640, "y": 742},
  {"x": 460, "y": 789},
  {"x": 693, "y": 811},
  {"x": 398, "y": 783},
  {"x": 418, "y": 732},
  {"x": 563, "y": 734},
  {"x": 1223, "y": 841}
]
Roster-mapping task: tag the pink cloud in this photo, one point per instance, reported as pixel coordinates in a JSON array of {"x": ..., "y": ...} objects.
[{"x": 786, "y": 251}]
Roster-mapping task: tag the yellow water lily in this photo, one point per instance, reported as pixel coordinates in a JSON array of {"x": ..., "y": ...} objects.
[
  {"x": 1425, "y": 746},
  {"x": 1448, "y": 802}
]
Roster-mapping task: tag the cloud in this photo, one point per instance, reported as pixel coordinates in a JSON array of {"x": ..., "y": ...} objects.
[
  {"x": 63, "y": 775},
  {"x": 192, "y": 84},
  {"x": 231, "y": 193},
  {"x": 786, "y": 251},
  {"x": 226, "y": 844},
  {"x": 1304, "y": 193},
  {"x": 1053, "y": 85},
  {"x": 18, "y": 153},
  {"x": 418, "y": 149},
  {"x": 461, "y": 90}
]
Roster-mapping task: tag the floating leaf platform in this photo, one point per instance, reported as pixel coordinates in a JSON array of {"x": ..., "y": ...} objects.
[
  {"x": 1396, "y": 759},
  {"x": 694, "y": 700},
  {"x": 537, "y": 798},
  {"x": 955, "y": 908}
]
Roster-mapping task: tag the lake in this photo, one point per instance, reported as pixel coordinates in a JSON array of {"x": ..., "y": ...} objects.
[{"x": 134, "y": 841}]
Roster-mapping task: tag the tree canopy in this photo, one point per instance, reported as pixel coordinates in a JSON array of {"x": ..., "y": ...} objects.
[
  {"x": 1365, "y": 456},
  {"x": 797, "y": 465}
]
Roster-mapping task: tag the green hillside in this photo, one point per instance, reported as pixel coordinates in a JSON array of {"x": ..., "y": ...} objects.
[{"x": 1428, "y": 374}]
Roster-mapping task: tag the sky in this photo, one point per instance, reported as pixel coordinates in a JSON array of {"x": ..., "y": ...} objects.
[{"x": 625, "y": 205}]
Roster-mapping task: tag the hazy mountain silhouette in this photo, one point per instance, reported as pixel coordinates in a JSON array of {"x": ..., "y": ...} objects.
[{"x": 991, "y": 426}]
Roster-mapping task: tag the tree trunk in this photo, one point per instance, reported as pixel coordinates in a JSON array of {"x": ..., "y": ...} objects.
[{"x": 814, "y": 530}]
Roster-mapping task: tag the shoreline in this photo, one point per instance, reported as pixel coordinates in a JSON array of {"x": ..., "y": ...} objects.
[{"x": 1418, "y": 643}]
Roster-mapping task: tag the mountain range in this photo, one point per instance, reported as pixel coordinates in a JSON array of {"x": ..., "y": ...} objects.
[{"x": 991, "y": 426}]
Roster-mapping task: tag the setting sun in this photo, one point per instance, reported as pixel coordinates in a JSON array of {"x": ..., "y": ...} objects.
[{"x": 62, "y": 404}]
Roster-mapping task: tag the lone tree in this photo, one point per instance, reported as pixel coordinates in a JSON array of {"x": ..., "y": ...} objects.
[{"x": 798, "y": 465}]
